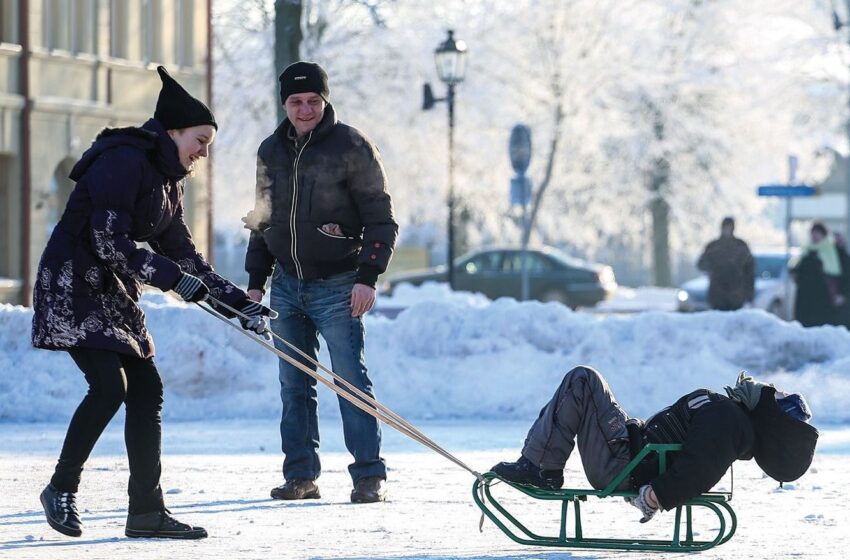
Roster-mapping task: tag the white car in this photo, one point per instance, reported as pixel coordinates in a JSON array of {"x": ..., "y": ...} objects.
[{"x": 771, "y": 277}]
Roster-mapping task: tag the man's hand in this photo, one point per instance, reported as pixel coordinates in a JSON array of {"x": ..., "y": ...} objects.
[
  {"x": 362, "y": 299},
  {"x": 257, "y": 317},
  {"x": 255, "y": 295},
  {"x": 333, "y": 229}
]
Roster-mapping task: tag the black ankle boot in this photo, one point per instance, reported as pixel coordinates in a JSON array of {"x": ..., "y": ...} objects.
[
  {"x": 61, "y": 511},
  {"x": 526, "y": 472},
  {"x": 160, "y": 525}
]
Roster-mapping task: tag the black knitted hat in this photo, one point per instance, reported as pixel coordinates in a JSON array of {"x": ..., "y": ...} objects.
[
  {"x": 176, "y": 109},
  {"x": 785, "y": 446},
  {"x": 303, "y": 77}
]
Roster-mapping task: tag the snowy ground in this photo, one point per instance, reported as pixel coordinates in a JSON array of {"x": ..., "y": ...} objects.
[
  {"x": 472, "y": 372},
  {"x": 218, "y": 475}
]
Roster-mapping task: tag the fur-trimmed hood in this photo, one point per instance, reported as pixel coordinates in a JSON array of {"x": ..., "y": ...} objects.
[{"x": 151, "y": 137}]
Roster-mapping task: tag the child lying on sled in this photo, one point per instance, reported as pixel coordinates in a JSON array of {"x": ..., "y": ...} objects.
[{"x": 754, "y": 421}]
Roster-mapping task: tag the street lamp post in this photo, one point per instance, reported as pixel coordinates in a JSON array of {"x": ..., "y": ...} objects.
[{"x": 450, "y": 58}]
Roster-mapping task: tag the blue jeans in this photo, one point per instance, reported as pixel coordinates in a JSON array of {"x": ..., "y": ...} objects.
[{"x": 306, "y": 309}]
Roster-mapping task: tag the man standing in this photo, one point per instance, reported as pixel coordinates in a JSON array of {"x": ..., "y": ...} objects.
[
  {"x": 731, "y": 269},
  {"x": 323, "y": 220}
]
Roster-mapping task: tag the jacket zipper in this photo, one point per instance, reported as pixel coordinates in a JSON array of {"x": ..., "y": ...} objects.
[{"x": 294, "y": 244}]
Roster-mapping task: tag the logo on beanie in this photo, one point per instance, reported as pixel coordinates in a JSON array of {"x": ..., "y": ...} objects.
[{"x": 300, "y": 78}]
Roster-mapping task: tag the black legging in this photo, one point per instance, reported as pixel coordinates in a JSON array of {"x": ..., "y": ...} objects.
[{"x": 115, "y": 378}]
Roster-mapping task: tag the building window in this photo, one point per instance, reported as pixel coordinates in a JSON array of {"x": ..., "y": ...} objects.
[
  {"x": 152, "y": 31},
  {"x": 7, "y": 217},
  {"x": 84, "y": 26},
  {"x": 118, "y": 29},
  {"x": 57, "y": 25},
  {"x": 70, "y": 25},
  {"x": 8, "y": 21},
  {"x": 185, "y": 30}
]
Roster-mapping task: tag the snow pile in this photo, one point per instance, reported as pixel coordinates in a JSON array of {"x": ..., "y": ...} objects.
[
  {"x": 405, "y": 295},
  {"x": 457, "y": 357}
]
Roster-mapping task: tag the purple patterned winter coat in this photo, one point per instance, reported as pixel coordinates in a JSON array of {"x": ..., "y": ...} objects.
[{"x": 129, "y": 189}]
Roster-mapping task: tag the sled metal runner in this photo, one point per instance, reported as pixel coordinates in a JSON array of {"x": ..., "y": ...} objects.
[{"x": 681, "y": 541}]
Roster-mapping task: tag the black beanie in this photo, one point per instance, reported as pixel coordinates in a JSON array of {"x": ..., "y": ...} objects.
[
  {"x": 785, "y": 446},
  {"x": 176, "y": 109},
  {"x": 303, "y": 77}
]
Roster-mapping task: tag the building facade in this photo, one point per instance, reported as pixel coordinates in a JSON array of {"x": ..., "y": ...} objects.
[{"x": 69, "y": 68}]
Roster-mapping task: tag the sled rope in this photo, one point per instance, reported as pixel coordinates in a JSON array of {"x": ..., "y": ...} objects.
[{"x": 352, "y": 394}]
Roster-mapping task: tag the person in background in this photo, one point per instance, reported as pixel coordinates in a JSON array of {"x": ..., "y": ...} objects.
[
  {"x": 323, "y": 228},
  {"x": 818, "y": 275},
  {"x": 731, "y": 269},
  {"x": 842, "y": 312},
  {"x": 86, "y": 297}
]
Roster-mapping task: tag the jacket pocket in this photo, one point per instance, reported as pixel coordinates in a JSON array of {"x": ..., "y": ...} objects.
[
  {"x": 331, "y": 235},
  {"x": 317, "y": 245}
]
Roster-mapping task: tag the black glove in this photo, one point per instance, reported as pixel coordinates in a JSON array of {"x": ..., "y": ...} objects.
[
  {"x": 191, "y": 288},
  {"x": 257, "y": 316}
]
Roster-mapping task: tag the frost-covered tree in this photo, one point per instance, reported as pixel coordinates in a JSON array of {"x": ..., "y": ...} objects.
[{"x": 644, "y": 113}]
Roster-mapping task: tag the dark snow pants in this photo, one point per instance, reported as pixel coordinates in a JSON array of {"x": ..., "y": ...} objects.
[
  {"x": 114, "y": 379},
  {"x": 582, "y": 408}
]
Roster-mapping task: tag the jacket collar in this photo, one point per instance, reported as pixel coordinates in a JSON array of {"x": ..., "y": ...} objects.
[
  {"x": 165, "y": 156},
  {"x": 150, "y": 137}
]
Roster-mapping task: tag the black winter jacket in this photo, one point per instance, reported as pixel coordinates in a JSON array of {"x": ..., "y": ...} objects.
[
  {"x": 714, "y": 432},
  {"x": 812, "y": 305},
  {"x": 333, "y": 176},
  {"x": 129, "y": 190}
]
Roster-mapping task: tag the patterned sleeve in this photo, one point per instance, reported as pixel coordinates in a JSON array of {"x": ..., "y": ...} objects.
[
  {"x": 176, "y": 243},
  {"x": 113, "y": 182}
]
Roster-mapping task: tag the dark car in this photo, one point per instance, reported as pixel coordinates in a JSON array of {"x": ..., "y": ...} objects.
[{"x": 553, "y": 276}]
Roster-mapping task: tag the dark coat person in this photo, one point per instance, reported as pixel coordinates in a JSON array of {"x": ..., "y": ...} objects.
[
  {"x": 812, "y": 306},
  {"x": 842, "y": 310},
  {"x": 752, "y": 420},
  {"x": 323, "y": 229},
  {"x": 129, "y": 190},
  {"x": 820, "y": 280},
  {"x": 731, "y": 270},
  {"x": 92, "y": 271}
]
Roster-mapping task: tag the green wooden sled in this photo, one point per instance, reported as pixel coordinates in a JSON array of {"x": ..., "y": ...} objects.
[{"x": 715, "y": 502}]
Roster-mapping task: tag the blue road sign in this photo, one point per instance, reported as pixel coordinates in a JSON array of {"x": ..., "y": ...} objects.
[
  {"x": 520, "y": 190},
  {"x": 786, "y": 191},
  {"x": 519, "y": 148}
]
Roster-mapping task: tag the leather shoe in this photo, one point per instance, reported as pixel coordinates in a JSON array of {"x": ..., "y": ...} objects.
[
  {"x": 297, "y": 489},
  {"x": 369, "y": 490}
]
